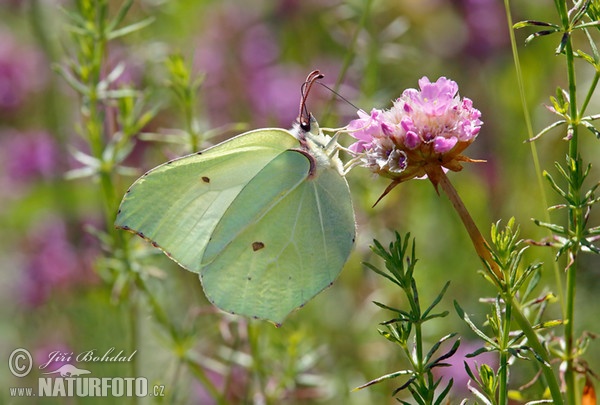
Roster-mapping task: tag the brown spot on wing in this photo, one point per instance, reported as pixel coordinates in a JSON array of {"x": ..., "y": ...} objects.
[
  {"x": 257, "y": 246},
  {"x": 206, "y": 179}
]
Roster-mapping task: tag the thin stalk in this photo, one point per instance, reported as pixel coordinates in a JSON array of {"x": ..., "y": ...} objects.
[
  {"x": 417, "y": 361},
  {"x": 569, "y": 335},
  {"x": 522, "y": 321},
  {"x": 503, "y": 369},
  {"x": 591, "y": 91},
  {"x": 190, "y": 127},
  {"x": 133, "y": 339},
  {"x": 573, "y": 213},
  {"x": 481, "y": 246},
  {"x": 349, "y": 56},
  {"x": 532, "y": 145},
  {"x": 534, "y": 343},
  {"x": 257, "y": 359}
]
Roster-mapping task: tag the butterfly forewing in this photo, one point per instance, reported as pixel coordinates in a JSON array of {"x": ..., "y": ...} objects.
[{"x": 178, "y": 204}]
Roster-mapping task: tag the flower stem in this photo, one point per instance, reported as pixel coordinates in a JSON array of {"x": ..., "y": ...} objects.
[
  {"x": 484, "y": 253},
  {"x": 481, "y": 246}
]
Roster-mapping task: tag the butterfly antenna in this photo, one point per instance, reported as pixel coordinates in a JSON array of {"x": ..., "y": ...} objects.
[
  {"x": 339, "y": 95},
  {"x": 303, "y": 114}
]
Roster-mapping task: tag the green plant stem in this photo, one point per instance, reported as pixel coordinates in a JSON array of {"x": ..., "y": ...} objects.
[
  {"x": 569, "y": 335},
  {"x": 591, "y": 91},
  {"x": 133, "y": 339},
  {"x": 534, "y": 343},
  {"x": 190, "y": 127},
  {"x": 532, "y": 145},
  {"x": 574, "y": 216},
  {"x": 417, "y": 360},
  {"x": 522, "y": 321},
  {"x": 503, "y": 370},
  {"x": 257, "y": 358},
  {"x": 349, "y": 57}
]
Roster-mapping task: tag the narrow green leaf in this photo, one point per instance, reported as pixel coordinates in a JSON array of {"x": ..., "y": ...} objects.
[
  {"x": 465, "y": 317},
  {"x": 533, "y": 282},
  {"x": 130, "y": 28},
  {"x": 437, "y": 345},
  {"x": 438, "y": 315},
  {"x": 436, "y": 300},
  {"x": 444, "y": 393},
  {"x": 591, "y": 128},
  {"x": 538, "y": 34},
  {"x": 70, "y": 79},
  {"x": 120, "y": 15},
  {"x": 447, "y": 355},
  {"x": 384, "y": 378},
  {"x": 381, "y": 273},
  {"x": 530, "y": 23},
  {"x": 553, "y": 227},
  {"x": 554, "y": 185}
]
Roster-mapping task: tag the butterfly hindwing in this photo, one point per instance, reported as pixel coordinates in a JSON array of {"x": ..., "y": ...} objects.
[{"x": 283, "y": 240}]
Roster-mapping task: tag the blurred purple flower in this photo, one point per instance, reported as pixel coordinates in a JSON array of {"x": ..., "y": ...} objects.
[
  {"x": 29, "y": 155},
  {"x": 22, "y": 72},
  {"x": 457, "y": 371},
  {"x": 486, "y": 23},
  {"x": 53, "y": 262},
  {"x": 274, "y": 95},
  {"x": 245, "y": 79}
]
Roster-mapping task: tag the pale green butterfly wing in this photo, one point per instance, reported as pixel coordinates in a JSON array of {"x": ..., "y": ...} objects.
[
  {"x": 265, "y": 218},
  {"x": 177, "y": 205},
  {"x": 283, "y": 240}
]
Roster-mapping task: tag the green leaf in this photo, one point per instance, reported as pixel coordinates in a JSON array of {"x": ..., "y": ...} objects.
[
  {"x": 446, "y": 355},
  {"x": 591, "y": 128},
  {"x": 533, "y": 282},
  {"x": 437, "y": 345},
  {"x": 384, "y": 378},
  {"x": 444, "y": 393},
  {"x": 554, "y": 184},
  {"x": 120, "y": 15},
  {"x": 130, "y": 28},
  {"x": 474, "y": 328},
  {"x": 533, "y": 23},
  {"x": 380, "y": 305},
  {"x": 436, "y": 300},
  {"x": 553, "y": 227},
  {"x": 381, "y": 273},
  {"x": 70, "y": 79}
]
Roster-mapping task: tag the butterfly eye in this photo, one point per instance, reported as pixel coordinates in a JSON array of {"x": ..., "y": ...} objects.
[{"x": 305, "y": 125}]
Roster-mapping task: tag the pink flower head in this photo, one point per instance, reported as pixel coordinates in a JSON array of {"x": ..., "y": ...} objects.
[
  {"x": 424, "y": 128},
  {"x": 365, "y": 129}
]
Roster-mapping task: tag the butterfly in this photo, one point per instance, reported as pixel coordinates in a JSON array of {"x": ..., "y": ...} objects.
[{"x": 265, "y": 218}]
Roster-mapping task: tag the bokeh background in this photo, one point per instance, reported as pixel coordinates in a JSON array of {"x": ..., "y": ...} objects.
[{"x": 254, "y": 55}]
